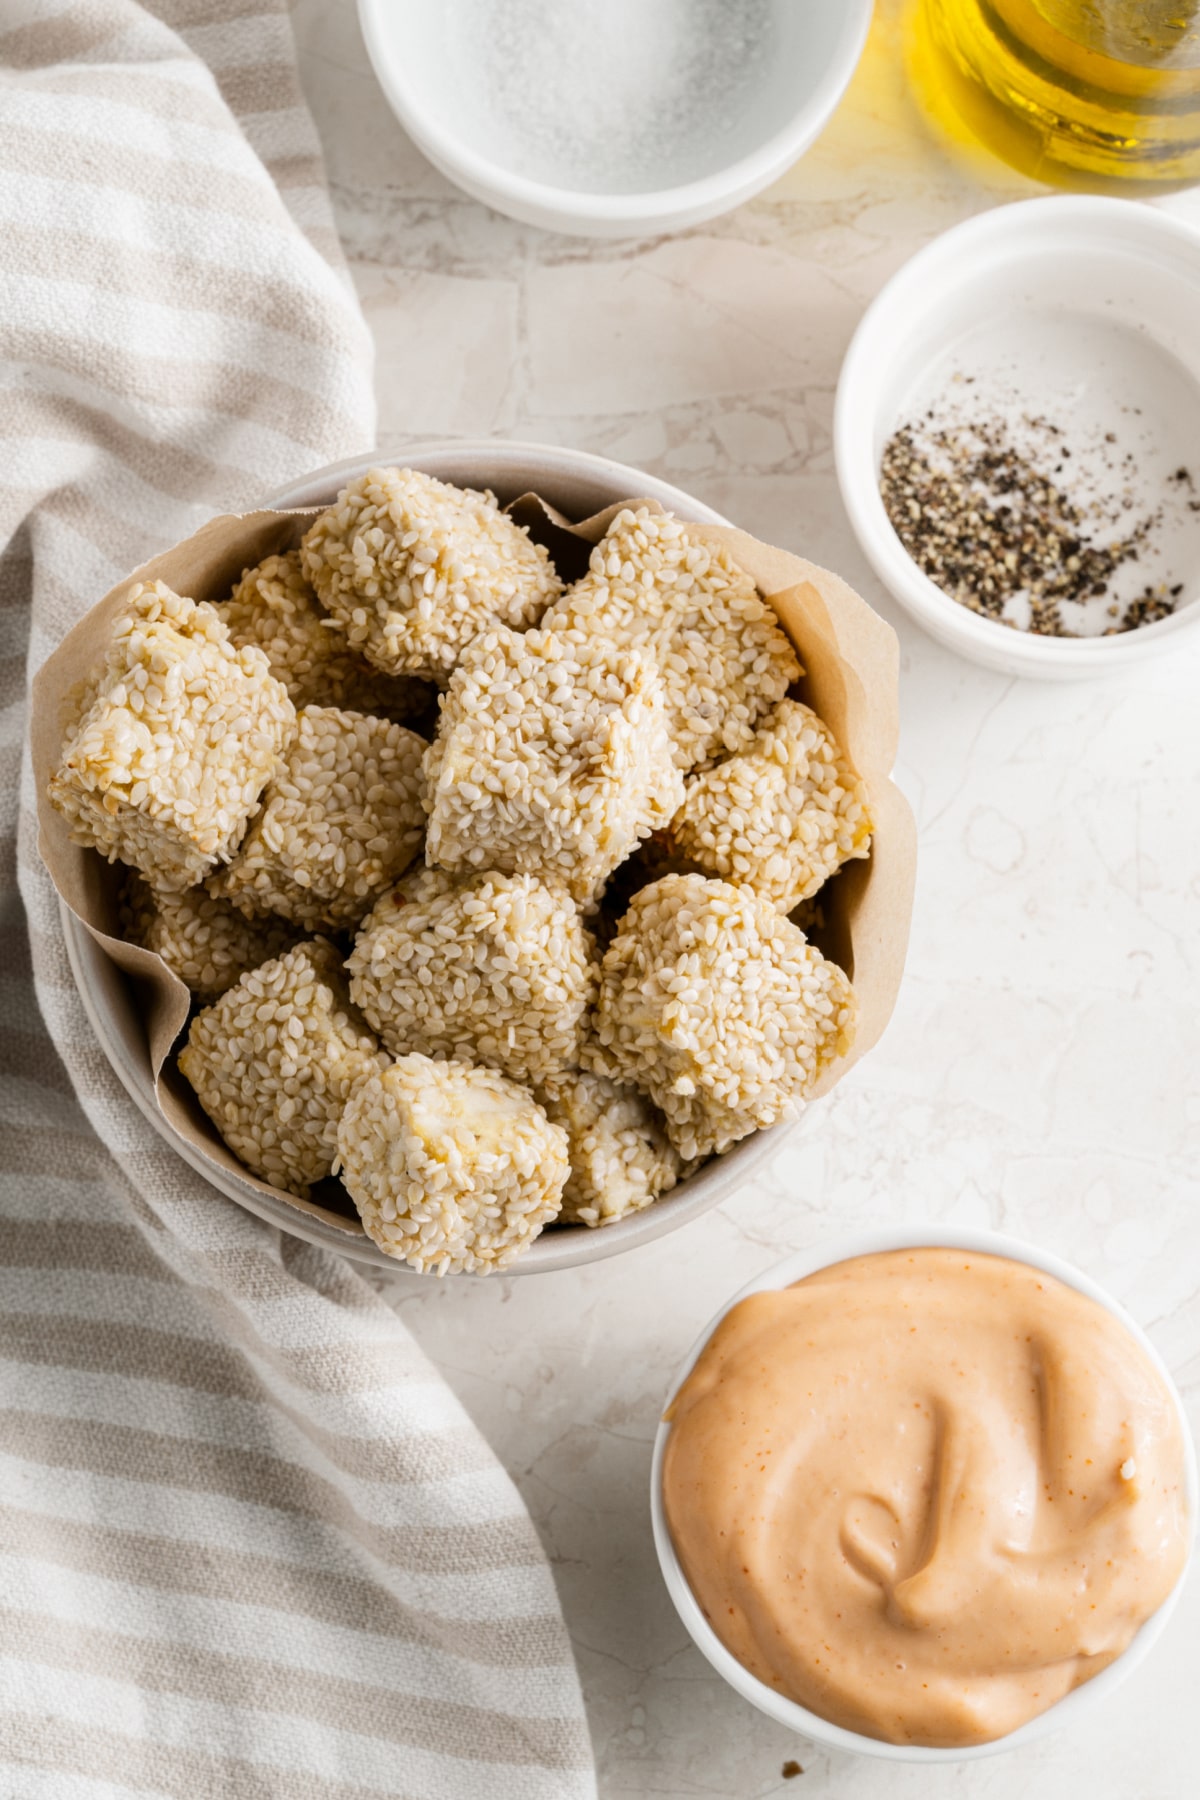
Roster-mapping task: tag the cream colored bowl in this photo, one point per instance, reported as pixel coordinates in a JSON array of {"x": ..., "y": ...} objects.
[{"x": 578, "y": 485}]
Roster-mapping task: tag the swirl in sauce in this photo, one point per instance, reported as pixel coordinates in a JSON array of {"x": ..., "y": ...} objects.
[{"x": 926, "y": 1493}]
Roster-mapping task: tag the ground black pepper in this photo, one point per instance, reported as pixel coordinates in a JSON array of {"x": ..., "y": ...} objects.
[{"x": 991, "y": 527}]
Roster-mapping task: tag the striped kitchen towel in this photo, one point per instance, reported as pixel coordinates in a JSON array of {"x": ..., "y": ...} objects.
[{"x": 250, "y": 1545}]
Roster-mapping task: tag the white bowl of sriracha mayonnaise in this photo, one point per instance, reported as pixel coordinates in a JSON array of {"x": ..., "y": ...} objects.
[{"x": 924, "y": 1494}]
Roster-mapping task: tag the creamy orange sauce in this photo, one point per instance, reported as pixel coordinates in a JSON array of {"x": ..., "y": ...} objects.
[{"x": 926, "y": 1493}]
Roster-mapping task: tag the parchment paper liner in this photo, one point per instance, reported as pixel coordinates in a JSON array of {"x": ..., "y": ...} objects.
[{"x": 850, "y": 657}]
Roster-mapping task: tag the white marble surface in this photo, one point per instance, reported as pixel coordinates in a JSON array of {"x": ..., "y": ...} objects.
[{"x": 1042, "y": 1072}]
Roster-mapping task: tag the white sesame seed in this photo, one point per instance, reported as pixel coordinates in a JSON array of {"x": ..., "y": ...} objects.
[
  {"x": 725, "y": 1042},
  {"x": 490, "y": 969},
  {"x": 452, "y": 1168},
  {"x": 341, "y": 819},
  {"x": 275, "y": 608},
  {"x": 724, "y": 659},
  {"x": 438, "y": 563},
  {"x": 207, "y": 942},
  {"x": 124, "y": 770},
  {"x": 780, "y": 817},
  {"x": 236, "y": 1060},
  {"x": 569, "y": 744}
]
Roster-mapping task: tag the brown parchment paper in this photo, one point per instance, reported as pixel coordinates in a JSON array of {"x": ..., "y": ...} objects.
[{"x": 851, "y": 662}]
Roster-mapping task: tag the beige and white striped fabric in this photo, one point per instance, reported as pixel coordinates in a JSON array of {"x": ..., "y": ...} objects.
[{"x": 250, "y": 1545}]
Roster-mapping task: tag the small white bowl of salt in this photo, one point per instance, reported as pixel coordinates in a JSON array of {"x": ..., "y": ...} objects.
[{"x": 613, "y": 118}]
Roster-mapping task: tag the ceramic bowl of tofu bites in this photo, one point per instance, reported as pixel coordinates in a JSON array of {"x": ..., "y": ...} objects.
[{"x": 477, "y": 858}]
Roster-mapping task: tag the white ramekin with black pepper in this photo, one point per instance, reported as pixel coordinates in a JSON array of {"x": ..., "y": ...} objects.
[{"x": 1079, "y": 307}]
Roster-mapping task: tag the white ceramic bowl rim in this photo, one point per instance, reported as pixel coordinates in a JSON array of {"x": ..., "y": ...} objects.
[
  {"x": 928, "y": 272},
  {"x": 748, "y": 173},
  {"x": 788, "y": 1712},
  {"x": 514, "y": 467}
]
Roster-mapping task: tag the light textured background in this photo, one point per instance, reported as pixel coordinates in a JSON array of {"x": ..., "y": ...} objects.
[{"x": 1042, "y": 1072}]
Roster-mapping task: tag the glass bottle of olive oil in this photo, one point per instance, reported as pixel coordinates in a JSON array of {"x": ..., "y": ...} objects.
[{"x": 1102, "y": 95}]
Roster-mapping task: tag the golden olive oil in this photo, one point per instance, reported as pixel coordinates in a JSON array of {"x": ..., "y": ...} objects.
[{"x": 1102, "y": 95}]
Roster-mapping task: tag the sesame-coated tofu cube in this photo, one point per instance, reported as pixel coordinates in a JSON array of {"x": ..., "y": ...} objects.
[
  {"x": 415, "y": 568},
  {"x": 341, "y": 819},
  {"x": 782, "y": 816},
  {"x": 490, "y": 969},
  {"x": 718, "y": 1007},
  {"x": 208, "y": 943},
  {"x": 621, "y": 1157},
  {"x": 273, "y": 1061},
  {"x": 173, "y": 742},
  {"x": 653, "y": 584},
  {"x": 453, "y": 1169},
  {"x": 274, "y": 607},
  {"x": 551, "y": 759}
]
